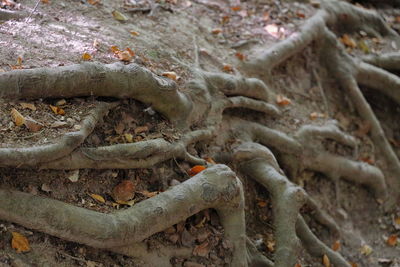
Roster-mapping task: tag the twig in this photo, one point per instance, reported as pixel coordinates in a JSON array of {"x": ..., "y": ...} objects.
[
  {"x": 322, "y": 92},
  {"x": 33, "y": 11}
]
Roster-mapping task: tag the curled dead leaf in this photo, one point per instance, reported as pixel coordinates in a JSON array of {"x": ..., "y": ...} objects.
[
  {"x": 134, "y": 33},
  {"x": 170, "y": 74},
  {"x": 32, "y": 125},
  {"x": 325, "y": 261},
  {"x": 316, "y": 115},
  {"x": 19, "y": 242},
  {"x": 17, "y": 117},
  {"x": 240, "y": 56},
  {"x": 366, "y": 250},
  {"x": 348, "y": 41},
  {"x": 124, "y": 191},
  {"x": 227, "y": 67},
  {"x": 57, "y": 110},
  {"x": 119, "y": 16},
  {"x": 202, "y": 250},
  {"x": 28, "y": 106},
  {"x": 283, "y": 100},
  {"x": 216, "y": 31},
  {"x": 392, "y": 240}
]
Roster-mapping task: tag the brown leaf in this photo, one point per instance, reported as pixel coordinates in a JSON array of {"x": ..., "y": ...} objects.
[
  {"x": 17, "y": 117},
  {"x": 336, "y": 245},
  {"x": 236, "y": 8},
  {"x": 202, "y": 250},
  {"x": 392, "y": 240},
  {"x": 58, "y": 124},
  {"x": 297, "y": 265},
  {"x": 57, "y": 110},
  {"x": 325, "y": 261},
  {"x": 262, "y": 204},
  {"x": 148, "y": 194},
  {"x": 28, "y": 106},
  {"x": 125, "y": 56},
  {"x": 316, "y": 115},
  {"x": 353, "y": 264},
  {"x": 366, "y": 250},
  {"x": 124, "y": 191},
  {"x": 141, "y": 129},
  {"x": 19, "y": 242},
  {"x": 134, "y": 33},
  {"x": 283, "y": 100},
  {"x": 240, "y": 56},
  {"x": 227, "y": 67},
  {"x": 348, "y": 41},
  {"x": 216, "y": 31},
  {"x": 32, "y": 125}
]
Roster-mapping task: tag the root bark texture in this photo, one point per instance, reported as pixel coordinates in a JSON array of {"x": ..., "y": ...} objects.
[{"x": 198, "y": 111}]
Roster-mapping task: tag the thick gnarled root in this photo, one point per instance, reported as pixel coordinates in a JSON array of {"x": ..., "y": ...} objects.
[{"x": 216, "y": 187}]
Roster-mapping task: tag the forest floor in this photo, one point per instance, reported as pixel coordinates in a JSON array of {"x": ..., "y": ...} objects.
[{"x": 161, "y": 36}]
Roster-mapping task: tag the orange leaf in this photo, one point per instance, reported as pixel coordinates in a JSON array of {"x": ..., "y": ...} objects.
[
  {"x": 130, "y": 52},
  {"x": 300, "y": 15},
  {"x": 326, "y": 261},
  {"x": 134, "y": 33},
  {"x": 368, "y": 160},
  {"x": 282, "y": 100},
  {"x": 45, "y": 1},
  {"x": 170, "y": 74},
  {"x": 98, "y": 198},
  {"x": 93, "y": 2},
  {"x": 57, "y": 110},
  {"x": 28, "y": 106},
  {"x": 216, "y": 31},
  {"x": 353, "y": 264},
  {"x": 114, "y": 49},
  {"x": 297, "y": 265},
  {"x": 17, "y": 117},
  {"x": 227, "y": 68},
  {"x": 392, "y": 240},
  {"x": 225, "y": 19},
  {"x": 124, "y": 191},
  {"x": 316, "y": 115},
  {"x": 236, "y": 8},
  {"x": 348, "y": 41},
  {"x": 397, "y": 221},
  {"x": 125, "y": 56},
  {"x": 336, "y": 245},
  {"x": 240, "y": 56},
  {"x": 86, "y": 56},
  {"x": 19, "y": 61},
  {"x": 19, "y": 242},
  {"x": 202, "y": 250},
  {"x": 262, "y": 204},
  {"x": 196, "y": 169}
]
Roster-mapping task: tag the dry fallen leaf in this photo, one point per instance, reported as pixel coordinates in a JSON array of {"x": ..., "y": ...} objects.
[
  {"x": 202, "y": 250},
  {"x": 270, "y": 244},
  {"x": 210, "y": 160},
  {"x": 216, "y": 31},
  {"x": 74, "y": 176},
  {"x": 124, "y": 191},
  {"x": 316, "y": 115},
  {"x": 227, "y": 67},
  {"x": 353, "y": 264},
  {"x": 19, "y": 242},
  {"x": 262, "y": 204},
  {"x": 297, "y": 265},
  {"x": 32, "y": 125},
  {"x": 17, "y": 117},
  {"x": 336, "y": 245},
  {"x": 124, "y": 56},
  {"x": 28, "y": 106},
  {"x": 119, "y": 16},
  {"x": 348, "y": 41},
  {"x": 392, "y": 240},
  {"x": 225, "y": 19},
  {"x": 141, "y": 129},
  {"x": 236, "y": 8},
  {"x": 57, "y": 110},
  {"x": 86, "y": 56},
  {"x": 240, "y": 56},
  {"x": 98, "y": 198},
  {"x": 196, "y": 169},
  {"x": 93, "y": 2},
  {"x": 283, "y": 100},
  {"x": 170, "y": 74},
  {"x": 366, "y": 250},
  {"x": 326, "y": 261},
  {"x": 128, "y": 137},
  {"x": 147, "y": 193},
  {"x": 134, "y": 33},
  {"x": 58, "y": 124}
]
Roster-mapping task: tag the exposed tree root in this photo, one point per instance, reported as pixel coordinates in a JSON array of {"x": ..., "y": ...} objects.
[
  {"x": 8, "y": 14},
  {"x": 201, "y": 107}
]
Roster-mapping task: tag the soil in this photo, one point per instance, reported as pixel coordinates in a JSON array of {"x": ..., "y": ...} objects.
[{"x": 60, "y": 32}]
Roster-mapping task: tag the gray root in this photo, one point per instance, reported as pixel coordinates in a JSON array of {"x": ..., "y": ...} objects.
[
  {"x": 33, "y": 156},
  {"x": 380, "y": 80},
  {"x": 315, "y": 247},
  {"x": 387, "y": 61},
  {"x": 217, "y": 187},
  {"x": 259, "y": 163},
  {"x": 8, "y": 15},
  {"x": 91, "y": 78},
  {"x": 144, "y": 154}
]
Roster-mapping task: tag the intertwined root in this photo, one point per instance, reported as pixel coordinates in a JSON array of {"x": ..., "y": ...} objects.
[{"x": 217, "y": 187}]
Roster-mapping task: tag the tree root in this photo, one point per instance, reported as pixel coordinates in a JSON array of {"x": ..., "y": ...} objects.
[
  {"x": 202, "y": 104},
  {"x": 216, "y": 187},
  {"x": 388, "y": 61},
  {"x": 8, "y": 15}
]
